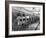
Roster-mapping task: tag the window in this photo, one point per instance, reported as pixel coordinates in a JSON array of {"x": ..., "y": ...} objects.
[
  {"x": 20, "y": 19},
  {"x": 23, "y": 19},
  {"x": 24, "y": 15},
  {"x": 27, "y": 19}
]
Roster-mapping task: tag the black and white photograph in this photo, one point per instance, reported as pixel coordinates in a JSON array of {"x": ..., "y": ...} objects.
[{"x": 25, "y": 19}]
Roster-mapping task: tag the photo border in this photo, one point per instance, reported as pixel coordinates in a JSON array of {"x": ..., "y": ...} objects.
[{"x": 7, "y": 18}]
